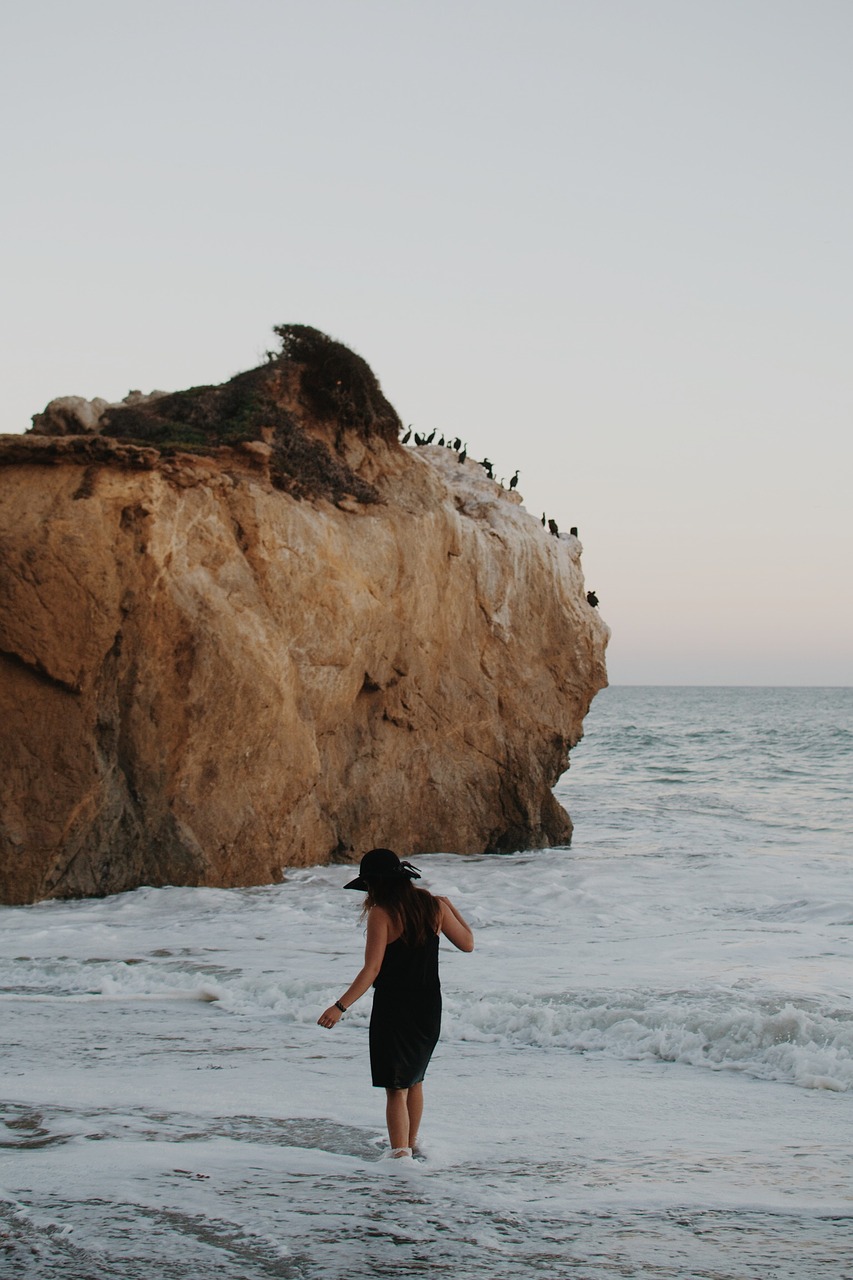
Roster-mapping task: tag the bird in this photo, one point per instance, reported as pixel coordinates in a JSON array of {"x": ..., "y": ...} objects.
[
  {"x": 592, "y": 598},
  {"x": 418, "y": 438},
  {"x": 574, "y": 531},
  {"x": 430, "y": 437},
  {"x": 441, "y": 441},
  {"x": 487, "y": 465},
  {"x": 463, "y": 455},
  {"x": 457, "y": 444},
  {"x": 514, "y": 481},
  {"x": 544, "y": 521},
  {"x": 407, "y": 437},
  {"x": 552, "y": 525}
]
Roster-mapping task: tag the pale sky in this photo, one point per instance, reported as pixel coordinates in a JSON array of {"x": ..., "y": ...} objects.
[{"x": 607, "y": 242}]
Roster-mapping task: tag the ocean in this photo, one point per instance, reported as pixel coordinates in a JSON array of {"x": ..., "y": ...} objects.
[{"x": 646, "y": 1066}]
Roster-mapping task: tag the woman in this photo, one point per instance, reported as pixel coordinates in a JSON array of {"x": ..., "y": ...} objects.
[{"x": 401, "y": 961}]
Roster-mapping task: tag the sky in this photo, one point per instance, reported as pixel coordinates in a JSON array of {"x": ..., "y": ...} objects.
[{"x": 606, "y": 242}]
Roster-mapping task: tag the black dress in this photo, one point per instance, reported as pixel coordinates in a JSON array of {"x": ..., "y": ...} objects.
[{"x": 406, "y": 1017}]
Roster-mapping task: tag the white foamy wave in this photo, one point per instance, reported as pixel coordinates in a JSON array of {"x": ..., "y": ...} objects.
[
  {"x": 785, "y": 1041},
  {"x": 91, "y": 979},
  {"x": 806, "y": 1043},
  {"x": 236, "y": 992}
]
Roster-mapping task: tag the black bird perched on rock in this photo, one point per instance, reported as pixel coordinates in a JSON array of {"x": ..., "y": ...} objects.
[
  {"x": 418, "y": 439},
  {"x": 441, "y": 441},
  {"x": 591, "y": 598},
  {"x": 514, "y": 481},
  {"x": 463, "y": 455},
  {"x": 487, "y": 465},
  {"x": 457, "y": 444},
  {"x": 407, "y": 437},
  {"x": 544, "y": 521},
  {"x": 552, "y": 525},
  {"x": 574, "y": 531},
  {"x": 430, "y": 438}
]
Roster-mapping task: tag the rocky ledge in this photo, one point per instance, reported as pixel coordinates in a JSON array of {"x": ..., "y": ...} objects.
[{"x": 244, "y": 628}]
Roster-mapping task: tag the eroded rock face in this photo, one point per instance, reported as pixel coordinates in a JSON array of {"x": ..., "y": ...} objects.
[{"x": 207, "y": 677}]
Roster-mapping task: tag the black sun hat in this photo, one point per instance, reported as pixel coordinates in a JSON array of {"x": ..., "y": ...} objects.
[{"x": 382, "y": 864}]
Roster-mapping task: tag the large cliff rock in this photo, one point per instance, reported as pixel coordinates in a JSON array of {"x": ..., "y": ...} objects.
[{"x": 244, "y": 628}]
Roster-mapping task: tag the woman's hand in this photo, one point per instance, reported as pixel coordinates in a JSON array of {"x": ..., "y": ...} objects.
[{"x": 329, "y": 1016}]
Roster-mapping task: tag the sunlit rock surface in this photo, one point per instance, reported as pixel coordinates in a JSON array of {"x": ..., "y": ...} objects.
[{"x": 251, "y": 630}]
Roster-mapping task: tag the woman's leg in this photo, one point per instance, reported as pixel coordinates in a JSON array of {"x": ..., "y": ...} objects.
[
  {"x": 397, "y": 1117},
  {"x": 415, "y": 1108}
]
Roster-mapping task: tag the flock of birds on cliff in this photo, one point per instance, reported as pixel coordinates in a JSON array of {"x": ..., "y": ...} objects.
[{"x": 461, "y": 451}]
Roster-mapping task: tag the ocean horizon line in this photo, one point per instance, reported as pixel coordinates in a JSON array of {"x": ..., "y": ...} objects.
[{"x": 661, "y": 684}]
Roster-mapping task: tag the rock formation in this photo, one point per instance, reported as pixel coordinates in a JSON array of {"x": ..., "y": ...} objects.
[{"x": 243, "y": 628}]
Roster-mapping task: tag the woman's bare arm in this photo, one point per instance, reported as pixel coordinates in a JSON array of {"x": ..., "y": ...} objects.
[
  {"x": 455, "y": 927},
  {"x": 378, "y": 928}
]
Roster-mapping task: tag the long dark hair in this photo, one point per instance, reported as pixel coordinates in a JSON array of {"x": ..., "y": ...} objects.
[{"x": 416, "y": 911}]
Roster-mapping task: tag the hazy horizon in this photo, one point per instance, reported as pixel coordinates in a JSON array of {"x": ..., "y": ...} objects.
[
  {"x": 606, "y": 243},
  {"x": 659, "y": 684}
]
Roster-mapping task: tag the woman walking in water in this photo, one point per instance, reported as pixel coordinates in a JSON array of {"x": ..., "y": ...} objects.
[{"x": 401, "y": 961}]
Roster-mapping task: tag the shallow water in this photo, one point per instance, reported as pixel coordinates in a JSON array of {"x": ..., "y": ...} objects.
[{"x": 646, "y": 1066}]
